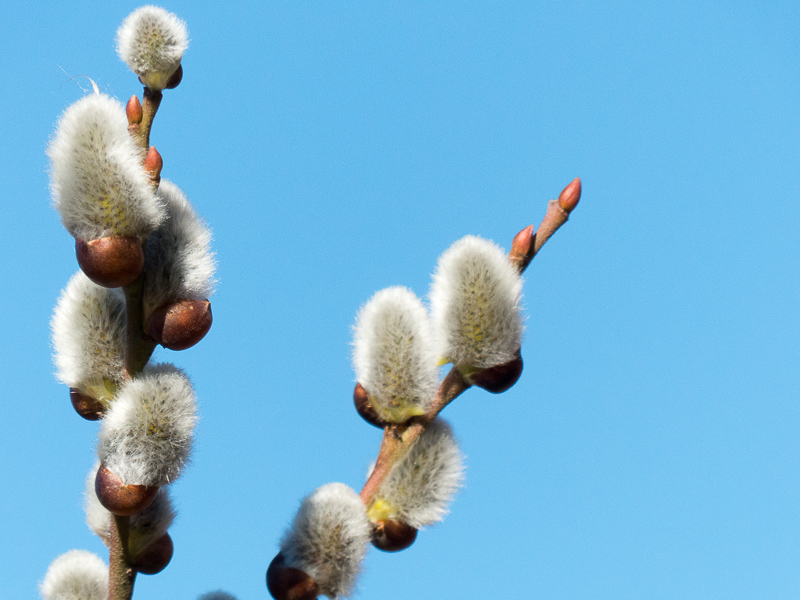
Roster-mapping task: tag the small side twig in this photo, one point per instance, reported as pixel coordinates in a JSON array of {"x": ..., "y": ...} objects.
[{"x": 398, "y": 438}]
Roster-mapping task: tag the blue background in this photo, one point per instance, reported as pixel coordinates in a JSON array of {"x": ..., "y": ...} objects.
[{"x": 650, "y": 449}]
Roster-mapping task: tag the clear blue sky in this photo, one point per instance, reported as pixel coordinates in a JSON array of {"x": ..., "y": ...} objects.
[{"x": 652, "y": 446}]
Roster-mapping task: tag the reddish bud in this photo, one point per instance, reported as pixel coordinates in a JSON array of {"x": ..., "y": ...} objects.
[
  {"x": 521, "y": 251},
  {"x": 570, "y": 196},
  {"x": 89, "y": 408},
  {"x": 111, "y": 261},
  {"x": 180, "y": 324},
  {"x": 153, "y": 163},
  {"x": 499, "y": 378},
  {"x": 175, "y": 79},
  {"x": 155, "y": 557},
  {"x": 391, "y": 535},
  {"x": 365, "y": 409},
  {"x": 133, "y": 111},
  {"x": 287, "y": 583},
  {"x": 120, "y": 499}
]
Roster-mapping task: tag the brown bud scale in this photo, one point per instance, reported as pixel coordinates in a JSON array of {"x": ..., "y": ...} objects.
[
  {"x": 89, "y": 408},
  {"x": 365, "y": 409},
  {"x": 287, "y": 583},
  {"x": 180, "y": 324},
  {"x": 175, "y": 78},
  {"x": 122, "y": 499},
  {"x": 499, "y": 378},
  {"x": 112, "y": 261},
  {"x": 391, "y": 535},
  {"x": 155, "y": 557}
]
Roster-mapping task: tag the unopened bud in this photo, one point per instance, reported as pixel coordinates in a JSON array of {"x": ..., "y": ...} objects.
[
  {"x": 155, "y": 557},
  {"x": 85, "y": 405},
  {"x": 499, "y": 378},
  {"x": 112, "y": 261},
  {"x": 570, "y": 196},
  {"x": 133, "y": 110},
  {"x": 180, "y": 324},
  {"x": 176, "y": 78},
  {"x": 521, "y": 251},
  {"x": 153, "y": 163},
  {"x": 365, "y": 409},
  {"x": 391, "y": 535},
  {"x": 121, "y": 499},
  {"x": 287, "y": 583}
]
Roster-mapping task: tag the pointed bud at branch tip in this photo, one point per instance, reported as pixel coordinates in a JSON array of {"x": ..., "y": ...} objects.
[
  {"x": 287, "y": 583},
  {"x": 570, "y": 196},
  {"x": 181, "y": 324},
  {"x": 155, "y": 557},
  {"x": 391, "y": 535},
  {"x": 113, "y": 261},
  {"x": 89, "y": 408},
  {"x": 365, "y": 409},
  {"x": 120, "y": 499},
  {"x": 133, "y": 110}
]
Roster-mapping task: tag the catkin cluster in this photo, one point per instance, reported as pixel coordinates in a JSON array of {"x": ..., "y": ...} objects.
[
  {"x": 398, "y": 344},
  {"x": 146, "y": 276}
]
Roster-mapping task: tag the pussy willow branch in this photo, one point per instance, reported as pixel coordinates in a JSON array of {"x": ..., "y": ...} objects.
[
  {"x": 151, "y": 100},
  {"x": 138, "y": 348},
  {"x": 121, "y": 575},
  {"x": 398, "y": 438}
]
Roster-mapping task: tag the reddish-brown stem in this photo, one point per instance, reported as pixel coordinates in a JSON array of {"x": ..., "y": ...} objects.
[
  {"x": 139, "y": 128},
  {"x": 398, "y": 438},
  {"x": 121, "y": 575},
  {"x": 138, "y": 346}
]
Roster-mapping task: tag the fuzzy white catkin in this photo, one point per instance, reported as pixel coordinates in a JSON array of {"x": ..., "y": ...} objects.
[
  {"x": 152, "y": 41},
  {"x": 98, "y": 183},
  {"x": 393, "y": 354},
  {"x": 178, "y": 260},
  {"x": 328, "y": 538},
  {"x": 144, "y": 528},
  {"x": 475, "y": 305},
  {"x": 146, "y": 436},
  {"x": 88, "y": 327},
  {"x": 419, "y": 488},
  {"x": 76, "y": 575}
]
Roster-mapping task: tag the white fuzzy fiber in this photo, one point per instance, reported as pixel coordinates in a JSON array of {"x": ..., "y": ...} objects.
[
  {"x": 393, "y": 354},
  {"x": 146, "y": 436},
  {"x": 98, "y": 183},
  {"x": 475, "y": 305},
  {"x": 151, "y": 41},
  {"x": 328, "y": 538}
]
